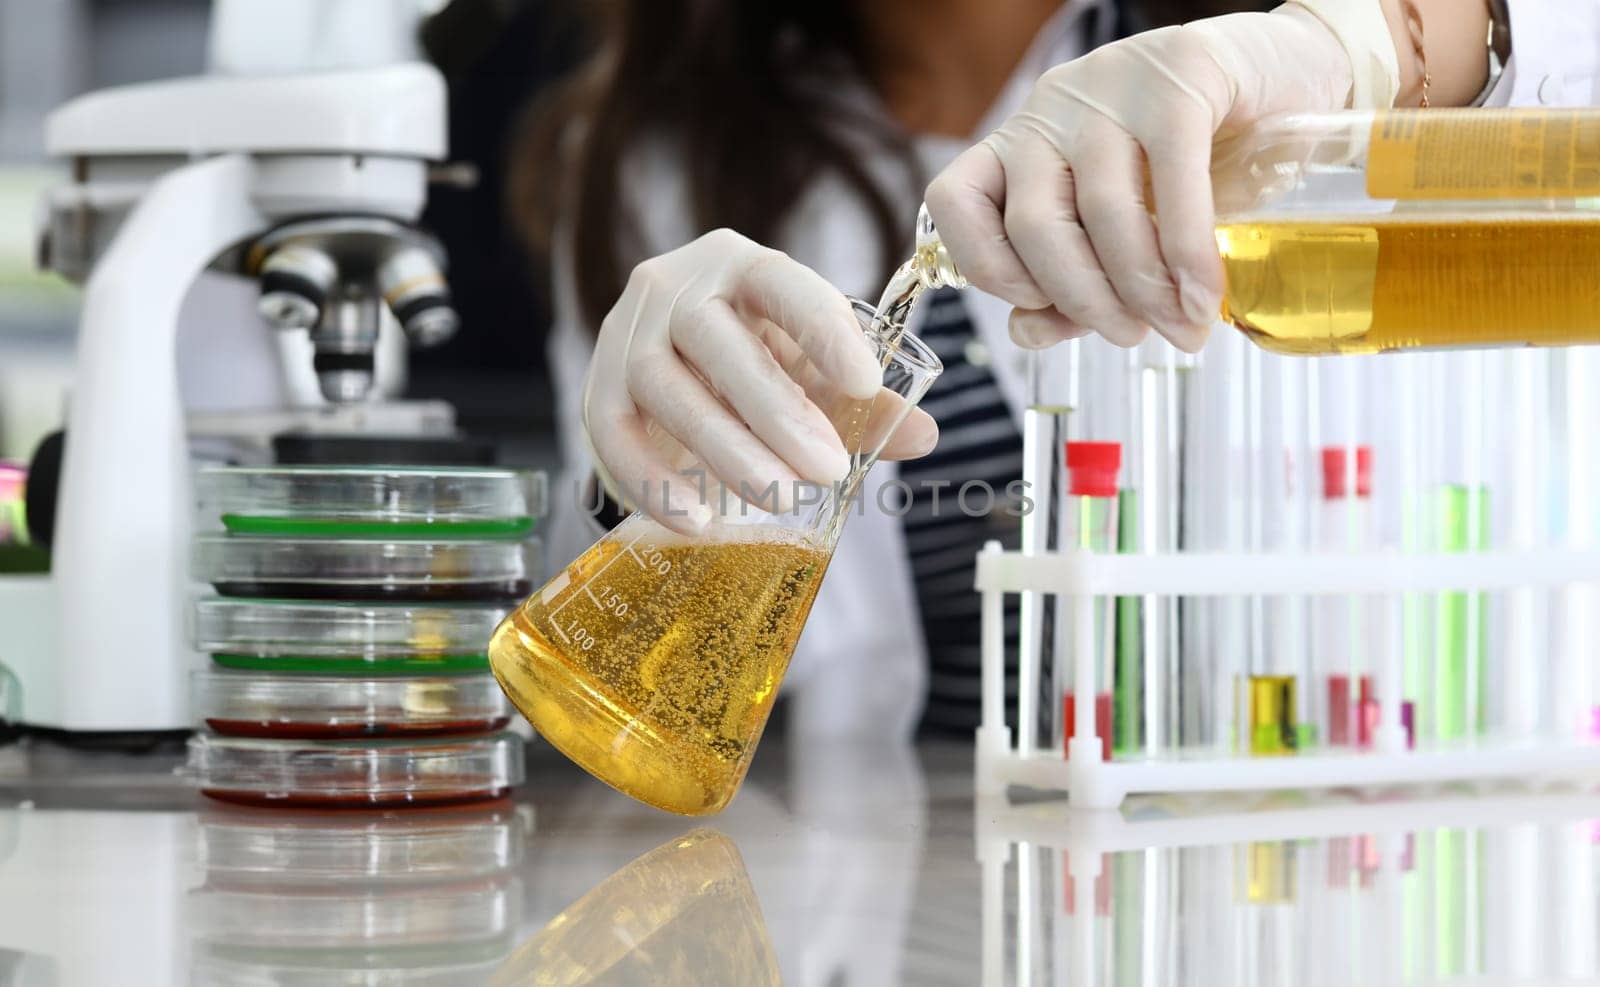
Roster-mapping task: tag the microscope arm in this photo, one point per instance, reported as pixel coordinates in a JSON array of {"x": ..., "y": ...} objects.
[{"x": 120, "y": 560}]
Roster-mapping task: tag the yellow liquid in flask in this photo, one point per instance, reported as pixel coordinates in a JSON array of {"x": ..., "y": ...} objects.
[
  {"x": 1413, "y": 281},
  {"x": 653, "y": 661}
]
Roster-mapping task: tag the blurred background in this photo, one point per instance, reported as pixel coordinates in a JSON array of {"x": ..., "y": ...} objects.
[{"x": 496, "y": 56}]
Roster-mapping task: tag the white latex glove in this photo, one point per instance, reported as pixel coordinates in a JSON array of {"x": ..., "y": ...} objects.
[
  {"x": 730, "y": 357},
  {"x": 1050, "y": 212}
]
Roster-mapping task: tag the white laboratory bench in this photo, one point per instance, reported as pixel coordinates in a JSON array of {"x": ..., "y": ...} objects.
[{"x": 845, "y": 865}]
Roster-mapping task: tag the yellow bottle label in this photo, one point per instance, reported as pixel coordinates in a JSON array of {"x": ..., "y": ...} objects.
[{"x": 1484, "y": 154}]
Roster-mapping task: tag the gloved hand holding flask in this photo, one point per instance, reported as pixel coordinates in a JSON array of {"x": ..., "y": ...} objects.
[{"x": 726, "y": 358}]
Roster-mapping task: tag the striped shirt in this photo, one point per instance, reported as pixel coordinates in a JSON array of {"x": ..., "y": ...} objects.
[{"x": 980, "y": 450}]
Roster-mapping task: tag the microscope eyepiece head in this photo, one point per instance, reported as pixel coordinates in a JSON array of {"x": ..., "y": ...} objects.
[{"x": 334, "y": 276}]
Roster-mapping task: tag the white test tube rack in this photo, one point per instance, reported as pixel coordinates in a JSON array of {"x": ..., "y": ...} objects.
[{"x": 1082, "y": 578}]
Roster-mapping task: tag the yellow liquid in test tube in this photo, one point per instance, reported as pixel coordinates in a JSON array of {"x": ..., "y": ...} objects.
[
  {"x": 1410, "y": 281},
  {"x": 653, "y": 661},
  {"x": 1273, "y": 726}
]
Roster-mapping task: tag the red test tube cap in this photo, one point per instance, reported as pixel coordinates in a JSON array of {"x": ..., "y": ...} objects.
[
  {"x": 1335, "y": 463},
  {"x": 1092, "y": 468}
]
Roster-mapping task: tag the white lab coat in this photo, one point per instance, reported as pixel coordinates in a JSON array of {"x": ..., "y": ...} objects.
[{"x": 860, "y": 667}]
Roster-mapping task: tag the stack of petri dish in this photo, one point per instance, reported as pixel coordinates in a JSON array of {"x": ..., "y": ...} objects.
[{"x": 349, "y": 632}]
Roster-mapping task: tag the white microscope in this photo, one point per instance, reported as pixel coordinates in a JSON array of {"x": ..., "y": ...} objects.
[{"x": 307, "y": 182}]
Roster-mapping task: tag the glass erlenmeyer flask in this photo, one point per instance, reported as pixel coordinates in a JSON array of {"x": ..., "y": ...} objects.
[{"x": 653, "y": 659}]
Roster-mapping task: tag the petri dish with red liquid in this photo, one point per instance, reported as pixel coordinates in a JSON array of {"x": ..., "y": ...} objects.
[
  {"x": 368, "y": 570},
  {"x": 340, "y": 707},
  {"x": 336, "y": 638},
  {"x": 355, "y": 774},
  {"x": 372, "y": 502}
]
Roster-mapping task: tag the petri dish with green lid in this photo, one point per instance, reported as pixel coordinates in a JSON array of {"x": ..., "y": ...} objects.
[
  {"x": 365, "y": 501},
  {"x": 333, "y": 638},
  {"x": 379, "y": 570}
]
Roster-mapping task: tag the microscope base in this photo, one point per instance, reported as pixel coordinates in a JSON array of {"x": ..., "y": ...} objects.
[{"x": 34, "y": 694}]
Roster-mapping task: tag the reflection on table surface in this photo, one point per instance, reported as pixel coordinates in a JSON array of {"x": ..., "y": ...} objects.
[
  {"x": 1427, "y": 888},
  {"x": 681, "y": 915},
  {"x": 836, "y": 866}
]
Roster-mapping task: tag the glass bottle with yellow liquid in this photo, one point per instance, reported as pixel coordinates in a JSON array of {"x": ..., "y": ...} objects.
[
  {"x": 653, "y": 659},
  {"x": 1411, "y": 229}
]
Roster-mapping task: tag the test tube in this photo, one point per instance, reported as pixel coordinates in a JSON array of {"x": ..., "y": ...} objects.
[
  {"x": 1463, "y": 526},
  {"x": 1303, "y": 477},
  {"x": 1517, "y": 664},
  {"x": 1575, "y": 701},
  {"x": 1255, "y": 411},
  {"x": 1219, "y": 508},
  {"x": 1201, "y": 501},
  {"x": 1271, "y": 701},
  {"x": 1343, "y": 526},
  {"x": 1110, "y": 411},
  {"x": 1091, "y": 518},
  {"x": 1334, "y": 526},
  {"x": 1358, "y": 636},
  {"x": 1177, "y": 382},
  {"x": 1399, "y": 624},
  {"x": 1052, "y": 397},
  {"x": 1206, "y": 501},
  {"x": 1156, "y": 466}
]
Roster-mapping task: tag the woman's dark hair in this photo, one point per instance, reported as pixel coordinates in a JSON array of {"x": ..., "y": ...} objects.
[
  {"x": 734, "y": 86},
  {"x": 726, "y": 82}
]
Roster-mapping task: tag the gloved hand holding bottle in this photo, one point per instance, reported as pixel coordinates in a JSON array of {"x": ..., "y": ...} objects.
[{"x": 1090, "y": 209}]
